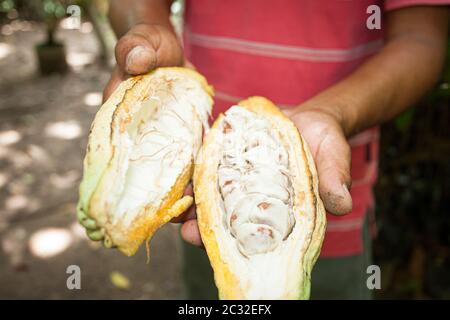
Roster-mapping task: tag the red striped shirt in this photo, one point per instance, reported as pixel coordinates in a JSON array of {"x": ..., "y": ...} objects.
[{"x": 289, "y": 51}]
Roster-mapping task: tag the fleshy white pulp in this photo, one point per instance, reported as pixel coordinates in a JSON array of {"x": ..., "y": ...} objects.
[
  {"x": 261, "y": 233},
  {"x": 160, "y": 141},
  {"x": 254, "y": 182}
]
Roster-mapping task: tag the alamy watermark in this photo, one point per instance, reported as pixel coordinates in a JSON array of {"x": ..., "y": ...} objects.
[
  {"x": 374, "y": 279},
  {"x": 73, "y": 281},
  {"x": 74, "y": 13},
  {"x": 373, "y": 22}
]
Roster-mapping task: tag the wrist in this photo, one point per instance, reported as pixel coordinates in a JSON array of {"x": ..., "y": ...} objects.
[{"x": 337, "y": 108}]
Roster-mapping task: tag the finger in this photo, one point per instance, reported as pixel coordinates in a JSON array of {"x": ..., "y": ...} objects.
[
  {"x": 116, "y": 78},
  {"x": 288, "y": 112},
  {"x": 189, "y": 190},
  {"x": 140, "y": 60},
  {"x": 191, "y": 234},
  {"x": 189, "y": 65},
  {"x": 189, "y": 214},
  {"x": 146, "y": 47},
  {"x": 334, "y": 175}
]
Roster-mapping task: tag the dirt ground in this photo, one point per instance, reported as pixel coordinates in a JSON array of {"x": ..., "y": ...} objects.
[{"x": 44, "y": 122}]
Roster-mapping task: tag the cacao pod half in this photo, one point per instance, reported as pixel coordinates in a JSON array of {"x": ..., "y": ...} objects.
[
  {"x": 140, "y": 156},
  {"x": 258, "y": 207}
]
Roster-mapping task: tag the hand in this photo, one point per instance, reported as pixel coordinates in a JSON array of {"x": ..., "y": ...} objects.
[
  {"x": 331, "y": 153},
  {"x": 189, "y": 230},
  {"x": 325, "y": 136},
  {"x": 142, "y": 49}
]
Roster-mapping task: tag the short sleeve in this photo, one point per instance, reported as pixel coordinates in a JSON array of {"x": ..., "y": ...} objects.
[{"x": 397, "y": 4}]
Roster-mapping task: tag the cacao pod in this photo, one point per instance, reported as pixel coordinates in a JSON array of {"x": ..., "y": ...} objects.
[
  {"x": 140, "y": 156},
  {"x": 258, "y": 207}
]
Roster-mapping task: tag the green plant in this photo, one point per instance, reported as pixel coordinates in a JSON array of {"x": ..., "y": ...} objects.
[{"x": 51, "y": 12}]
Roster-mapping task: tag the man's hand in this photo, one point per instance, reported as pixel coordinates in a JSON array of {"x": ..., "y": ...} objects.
[
  {"x": 142, "y": 49},
  {"x": 189, "y": 230},
  {"x": 331, "y": 152},
  {"x": 325, "y": 137}
]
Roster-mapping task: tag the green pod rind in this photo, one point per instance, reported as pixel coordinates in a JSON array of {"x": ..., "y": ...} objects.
[{"x": 96, "y": 235}]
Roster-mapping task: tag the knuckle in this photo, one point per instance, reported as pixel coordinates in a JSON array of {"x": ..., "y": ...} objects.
[{"x": 128, "y": 42}]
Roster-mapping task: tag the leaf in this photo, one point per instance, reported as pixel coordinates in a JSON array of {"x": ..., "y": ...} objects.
[
  {"x": 119, "y": 280},
  {"x": 403, "y": 121}
]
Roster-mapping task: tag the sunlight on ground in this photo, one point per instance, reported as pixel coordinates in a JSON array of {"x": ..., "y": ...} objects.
[
  {"x": 86, "y": 27},
  {"x": 72, "y": 23},
  {"x": 5, "y": 50},
  {"x": 66, "y": 130},
  {"x": 16, "y": 202},
  {"x": 77, "y": 60},
  {"x": 7, "y": 30},
  {"x": 50, "y": 242},
  {"x": 19, "y": 159},
  {"x": 9, "y": 137},
  {"x": 78, "y": 231},
  {"x": 93, "y": 99},
  {"x": 65, "y": 180},
  {"x": 16, "y": 25}
]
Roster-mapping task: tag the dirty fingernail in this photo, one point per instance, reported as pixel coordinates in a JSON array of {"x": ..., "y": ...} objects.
[
  {"x": 347, "y": 199},
  {"x": 138, "y": 59}
]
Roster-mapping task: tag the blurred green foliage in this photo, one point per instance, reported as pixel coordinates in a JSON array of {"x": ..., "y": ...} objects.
[
  {"x": 40, "y": 10},
  {"x": 52, "y": 9},
  {"x": 6, "y": 5}
]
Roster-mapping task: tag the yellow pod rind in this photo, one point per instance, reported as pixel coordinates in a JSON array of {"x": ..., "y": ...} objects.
[{"x": 207, "y": 201}]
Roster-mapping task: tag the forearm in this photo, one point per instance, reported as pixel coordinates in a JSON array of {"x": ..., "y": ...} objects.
[
  {"x": 124, "y": 14},
  {"x": 394, "y": 79}
]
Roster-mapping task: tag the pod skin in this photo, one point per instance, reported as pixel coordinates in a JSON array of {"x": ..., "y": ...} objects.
[
  {"x": 140, "y": 156},
  {"x": 257, "y": 256}
]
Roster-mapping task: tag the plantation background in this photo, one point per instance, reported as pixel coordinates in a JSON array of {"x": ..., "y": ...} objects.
[{"x": 44, "y": 122}]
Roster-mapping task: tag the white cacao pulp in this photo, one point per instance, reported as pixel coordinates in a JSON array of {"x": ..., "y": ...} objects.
[
  {"x": 254, "y": 182},
  {"x": 155, "y": 148}
]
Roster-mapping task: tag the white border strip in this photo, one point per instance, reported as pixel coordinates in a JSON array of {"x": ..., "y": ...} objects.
[{"x": 284, "y": 51}]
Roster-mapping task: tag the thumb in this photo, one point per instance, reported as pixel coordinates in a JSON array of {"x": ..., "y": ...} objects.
[
  {"x": 146, "y": 47},
  {"x": 333, "y": 163}
]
